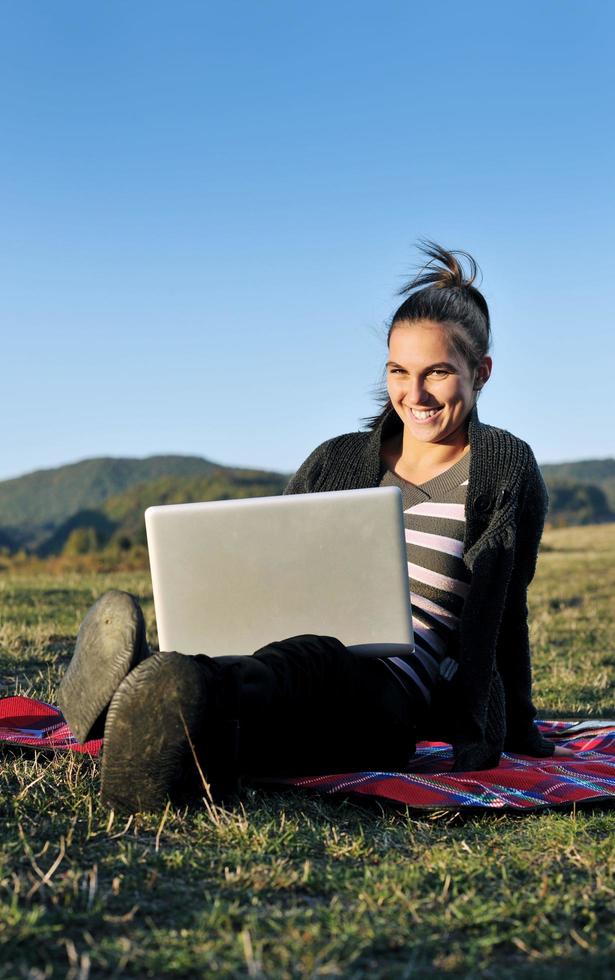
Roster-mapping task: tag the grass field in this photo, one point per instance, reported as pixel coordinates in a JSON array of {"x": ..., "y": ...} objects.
[{"x": 288, "y": 886}]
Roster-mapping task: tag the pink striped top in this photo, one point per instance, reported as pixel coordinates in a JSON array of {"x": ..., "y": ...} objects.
[{"x": 434, "y": 517}]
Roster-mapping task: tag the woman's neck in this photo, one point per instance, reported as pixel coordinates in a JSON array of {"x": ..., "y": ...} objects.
[{"x": 418, "y": 462}]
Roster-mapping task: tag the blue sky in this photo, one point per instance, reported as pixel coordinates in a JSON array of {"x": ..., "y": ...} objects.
[{"x": 207, "y": 210}]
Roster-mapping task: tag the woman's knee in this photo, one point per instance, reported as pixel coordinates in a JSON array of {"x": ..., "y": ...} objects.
[{"x": 307, "y": 666}]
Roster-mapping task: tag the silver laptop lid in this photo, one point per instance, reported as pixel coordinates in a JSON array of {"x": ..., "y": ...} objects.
[{"x": 231, "y": 576}]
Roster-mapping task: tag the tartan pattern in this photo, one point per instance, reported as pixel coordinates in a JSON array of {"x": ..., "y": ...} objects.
[
  {"x": 27, "y": 722},
  {"x": 518, "y": 783}
]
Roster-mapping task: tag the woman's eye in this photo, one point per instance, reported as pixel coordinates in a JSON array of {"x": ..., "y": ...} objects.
[{"x": 435, "y": 372}]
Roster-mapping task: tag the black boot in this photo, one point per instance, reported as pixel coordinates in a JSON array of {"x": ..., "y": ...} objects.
[
  {"x": 110, "y": 643},
  {"x": 172, "y": 733}
]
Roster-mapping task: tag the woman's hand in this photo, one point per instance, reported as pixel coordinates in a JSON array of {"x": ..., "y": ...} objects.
[{"x": 563, "y": 753}]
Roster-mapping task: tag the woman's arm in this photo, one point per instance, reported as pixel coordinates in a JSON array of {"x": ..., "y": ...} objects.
[
  {"x": 513, "y": 652},
  {"x": 304, "y": 480}
]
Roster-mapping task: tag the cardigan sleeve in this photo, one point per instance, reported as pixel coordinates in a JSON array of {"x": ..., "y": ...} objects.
[
  {"x": 513, "y": 652},
  {"x": 476, "y": 692},
  {"x": 306, "y": 477}
]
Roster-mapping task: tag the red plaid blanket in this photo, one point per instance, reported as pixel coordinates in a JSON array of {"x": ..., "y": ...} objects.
[{"x": 518, "y": 783}]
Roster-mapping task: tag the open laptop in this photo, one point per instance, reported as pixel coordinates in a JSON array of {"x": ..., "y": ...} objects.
[{"x": 230, "y": 576}]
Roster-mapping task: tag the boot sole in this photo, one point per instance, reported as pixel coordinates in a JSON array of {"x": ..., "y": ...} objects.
[
  {"x": 154, "y": 723},
  {"x": 110, "y": 643}
]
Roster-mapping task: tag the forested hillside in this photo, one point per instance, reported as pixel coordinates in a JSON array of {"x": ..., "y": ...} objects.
[
  {"x": 51, "y": 496},
  {"x": 99, "y": 503},
  {"x": 88, "y": 505},
  {"x": 598, "y": 472}
]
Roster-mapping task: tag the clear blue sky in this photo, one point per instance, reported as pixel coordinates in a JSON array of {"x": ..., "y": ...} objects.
[{"x": 206, "y": 209}]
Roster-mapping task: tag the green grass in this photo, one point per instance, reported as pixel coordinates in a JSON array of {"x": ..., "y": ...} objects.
[{"x": 289, "y": 886}]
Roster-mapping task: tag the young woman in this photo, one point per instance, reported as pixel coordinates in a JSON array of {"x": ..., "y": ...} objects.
[{"x": 474, "y": 504}]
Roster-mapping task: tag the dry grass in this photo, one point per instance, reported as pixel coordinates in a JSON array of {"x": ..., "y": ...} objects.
[{"x": 287, "y": 886}]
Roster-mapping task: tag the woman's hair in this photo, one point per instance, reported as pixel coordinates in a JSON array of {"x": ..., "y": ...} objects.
[{"x": 443, "y": 292}]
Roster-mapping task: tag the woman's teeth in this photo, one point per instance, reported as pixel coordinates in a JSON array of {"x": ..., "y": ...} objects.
[{"x": 426, "y": 414}]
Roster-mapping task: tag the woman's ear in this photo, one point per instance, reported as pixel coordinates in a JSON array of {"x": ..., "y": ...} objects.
[{"x": 483, "y": 373}]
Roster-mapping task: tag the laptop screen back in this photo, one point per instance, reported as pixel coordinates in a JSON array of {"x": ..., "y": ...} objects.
[{"x": 231, "y": 576}]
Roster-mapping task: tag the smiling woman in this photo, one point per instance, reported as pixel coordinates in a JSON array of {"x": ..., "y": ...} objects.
[{"x": 474, "y": 508}]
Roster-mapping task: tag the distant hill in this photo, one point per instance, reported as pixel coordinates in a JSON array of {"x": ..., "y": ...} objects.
[
  {"x": 599, "y": 472},
  {"x": 8, "y": 541},
  {"x": 577, "y": 503},
  {"x": 100, "y": 502},
  {"x": 54, "y": 495},
  {"x": 106, "y": 497},
  {"x": 120, "y": 519}
]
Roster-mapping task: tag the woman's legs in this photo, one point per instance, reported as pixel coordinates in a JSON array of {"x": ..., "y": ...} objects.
[
  {"x": 327, "y": 710},
  {"x": 301, "y": 706}
]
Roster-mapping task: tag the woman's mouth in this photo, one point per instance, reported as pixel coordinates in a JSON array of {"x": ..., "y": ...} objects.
[{"x": 424, "y": 415}]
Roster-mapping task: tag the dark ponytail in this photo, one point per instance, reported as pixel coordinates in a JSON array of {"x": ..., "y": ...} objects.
[{"x": 442, "y": 291}]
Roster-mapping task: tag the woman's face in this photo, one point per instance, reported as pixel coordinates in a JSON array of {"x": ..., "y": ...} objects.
[{"x": 431, "y": 386}]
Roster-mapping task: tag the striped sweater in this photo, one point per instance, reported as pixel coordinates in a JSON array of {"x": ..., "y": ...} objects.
[{"x": 434, "y": 517}]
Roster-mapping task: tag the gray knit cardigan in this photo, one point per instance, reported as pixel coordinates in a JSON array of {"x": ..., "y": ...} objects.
[{"x": 487, "y": 707}]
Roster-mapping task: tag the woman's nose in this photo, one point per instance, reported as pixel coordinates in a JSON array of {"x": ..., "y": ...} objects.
[{"x": 417, "y": 394}]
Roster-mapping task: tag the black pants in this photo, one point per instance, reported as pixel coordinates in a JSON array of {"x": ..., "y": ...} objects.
[{"x": 309, "y": 706}]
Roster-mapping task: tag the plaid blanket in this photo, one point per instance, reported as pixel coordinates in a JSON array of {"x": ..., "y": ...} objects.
[{"x": 518, "y": 782}]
